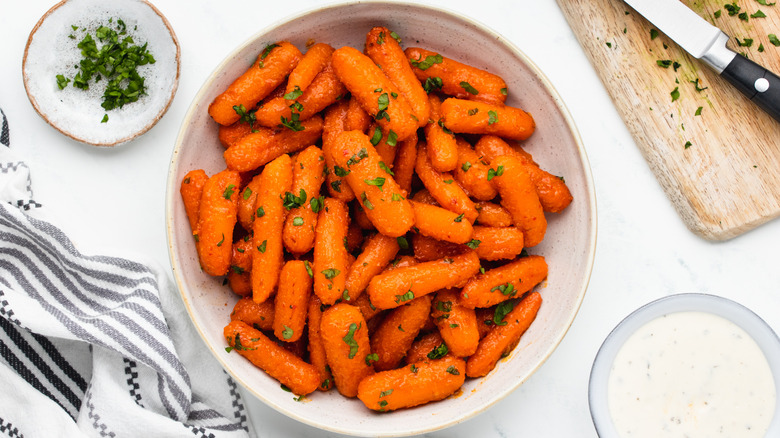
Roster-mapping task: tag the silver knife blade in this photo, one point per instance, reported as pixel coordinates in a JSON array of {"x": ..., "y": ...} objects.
[{"x": 681, "y": 24}]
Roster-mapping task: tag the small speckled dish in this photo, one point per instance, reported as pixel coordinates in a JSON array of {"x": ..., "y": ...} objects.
[
  {"x": 569, "y": 245},
  {"x": 52, "y": 50},
  {"x": 744, "y": 318}
]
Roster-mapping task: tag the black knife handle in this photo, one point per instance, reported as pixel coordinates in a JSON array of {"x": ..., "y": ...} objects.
[{"x": 757, "y": 83}]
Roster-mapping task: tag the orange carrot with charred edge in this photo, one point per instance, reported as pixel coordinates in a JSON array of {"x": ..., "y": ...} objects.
[
  {"x": 313, "y": 61},
  {"x": 403, "y": 165},
  {"x": 323, "y": 91},
  {"x": 427, "y": 248},
  {"x": 246, "y": 203},
  {"x": 502, "y": 339},
  {"x": 413, "y": 385},
  {"x": 519, "y": 197},
  {"x": 292, "y": 300},
  {"x": 386, "y": 52},
  {"x": 442, "y": 147},
  {"x": 552, "y": 190},
  {"x": 230, "y": 134},
  {"x": 457, "y": 79},
  {"x": 397, "y": 331},
  {"x": 298, "y": 234},
  {"x": 472, "y": 173},
  {"x": 468, "y": 117},
  {"x": 424, "y": 345},
  {"x": 357, "y": 118},
  {"x": 216, "y": 220},
  {"x": 375, "y": 92},
  {"x": 494, "y": 243},
  {"x": 457, "y": 324},
  {"x": 330, "y": 254},
  {"x": 441, "y": 224},
  {"x": 345, "y": 338},
  {"x": 335, "y": 122},
  {"x": 493, "y": 215},
  {"x": 191, "y": 190},
  {"x": 500, "y": 284},
  {"x": 267, "y": 259},
  {"x": 265, "y": 145},
  {"x": 273, "y": 65},
  {"x": 316, "y": 347},
  {"x": 378, "y": 252},
  {"x": 239, "y": 276},
  {"x": 302, "y": 378},
  {"x": 394, "y": 288},
  {"x": 376, "y": 190},
  {"x": 442, "y": 187},
  {"x": 258, "y": 315}
]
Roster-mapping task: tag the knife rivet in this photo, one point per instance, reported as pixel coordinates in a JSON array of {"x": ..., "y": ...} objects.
[{"x": 761, "y": 85}]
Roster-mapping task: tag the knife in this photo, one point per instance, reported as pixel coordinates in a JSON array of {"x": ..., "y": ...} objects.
[{"x": 708, "y": 43}]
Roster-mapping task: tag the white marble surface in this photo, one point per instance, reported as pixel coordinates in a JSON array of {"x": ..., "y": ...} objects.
[{"x": 113, "y": 199}]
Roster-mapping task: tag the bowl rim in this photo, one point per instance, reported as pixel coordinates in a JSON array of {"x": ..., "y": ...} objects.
[
  {"x": 559, "y": 104},
  {"x": 132, "y": 135},
  {"x": 738, "y": 314}
]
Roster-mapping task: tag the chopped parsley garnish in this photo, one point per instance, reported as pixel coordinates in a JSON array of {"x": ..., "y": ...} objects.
[
  {"x": 397, "y": 197},
  {"x": 330, "y": 273},
  {"x": 228, "y": 191},
  {"x": 473, "y": 243},
  {"x": 104, "y": 119},
  {"x": 308, "y": 268},
  {"x": 265, "y": 53},
  {"x": 262, "y": 246},
  {"x": 366, "y": 203},
  {"x": 370, "y": 359},
  {"x": 502, "y": 310},
  {"x": 287, "y": 332},
  {"x": 466, "y": 166},
  {"x": 385, "y": 393},
  {"x": 378, "y": 181},
  {"x": 432, "y": 84},
  {"x": 774, "y": 40},
  {"x": 492, "y": 117},
  {"x": 293, "y": 122},
  {"x": 392, "y": 138},
  {"x": 62, "y": 82},
  {"x": 471, "y": 90},
  {"x": 354, "y": 159},
  {"x": 340, "y": 171},
  {"x": 383, "y": 101},
  {"x": 428, "y": 62},
  {"x": 408, "y": 296},
  {"x": 317, "y": 204},
  {"x": 653, "y": 34},
  {"x": 245, "y": 116},
  {"x": 473, "y": 111},
  {"x": 297, "y": 221},
  {"x": 247, "y": 193},
  {"x": 675, "y": 93},
  {"x": 460, "y": 217},
  {"x": 688, "y": 144},
  {"x": 698, "y": 111},
  {"x": 377, "y": 136},
  {"x": 494, "y": 173},
  {"x": 349, "y": 339},
  {"x": 439, "y": 352},
  {"x": 402, "y": 242},
  {"x": 506, "y": 289},
  {"x": 294, "y": 94},
  {"x": 384, "y": 167},
  {"x": 260, "y": 211},
  {"x": 291, "y": 201},
  {"x": 452, "y": 370}
]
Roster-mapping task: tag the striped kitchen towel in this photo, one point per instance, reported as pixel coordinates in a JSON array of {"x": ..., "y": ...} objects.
[{"x": 96, "y": 346}]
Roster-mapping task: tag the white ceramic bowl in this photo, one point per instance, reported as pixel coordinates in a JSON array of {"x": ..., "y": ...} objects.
[
  {"x": 77, "y": 113},
  {"x": 569, "y": 245},
  {"x": 743, "y": 317}
]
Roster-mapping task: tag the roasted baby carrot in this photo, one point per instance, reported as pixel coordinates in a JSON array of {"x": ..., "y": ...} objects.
[
  {"x": 345, "y": 338},
  {"x": 290, "y": 370},
  {"x": 330, "y": 254},
  {"x": 291, "y": 301},
  {"x": 397, "y": 331},
  {"x": 387, "y": 53},
  {"x": 394, "y": 288},
  {"x": 441, "y": 224},
  {"x": 429, "y": 343},
  {"x": 552, "y": 190},
  {"x": 376, "y": 190},
  {"x": 504, "y": 335},
  {"x": 315, "y": 346},
  {"x": 427, "y": 248},
  {"x": 456, "y": 79},
  {"x": 519, "y": 197},
  {"x": 403, "y": 166},
  {"x": 493, "y": 215},
  {"x": 216, "y": 219},
  {"x": 377, "y": 253},
  {"x": 497, "y": 243},
  {"x": 191, "y": 190},
  {"x": 230, "y": 134},
  {"x": 258, "y": 315},
  {"x": 367, "y": 309},
  {"x": 413, "y": 385},
  {"x": 304, "y": 202},
  {"x": 334, "y": 123},
  {"x": 442, "y": 187},
  {"x": 273, "y": 65},
  {"x": 375, "y": 92},
  {"x": 267, "y": 259},
  {"x": 263, "y": 146},
  {"x": 357, "y": 118},
  {"x": 310, "y": 65},
  {"x": 468, "y": 117},
  {"x": 471, "y": 173},
  {"x": 442, "y": 147},
  {"x": 457, "y": 324},
  {"x": 239, "y": 276},
  {"x": 504, "y": 282},
  {"x": 246, "y": 203},
  {"x": 298, "y": 106}
]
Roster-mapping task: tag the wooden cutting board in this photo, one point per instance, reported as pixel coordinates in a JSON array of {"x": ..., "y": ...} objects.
[{"x": 720, "y": 168}]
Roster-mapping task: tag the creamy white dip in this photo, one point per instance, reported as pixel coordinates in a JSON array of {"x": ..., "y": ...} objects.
[{"x": 691, "y": 374}]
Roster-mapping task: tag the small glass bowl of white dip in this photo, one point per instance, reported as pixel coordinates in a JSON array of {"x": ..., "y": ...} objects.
[{"x": 687, "y": 365}]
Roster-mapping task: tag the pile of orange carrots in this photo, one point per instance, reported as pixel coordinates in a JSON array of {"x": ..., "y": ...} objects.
[{"x": 374, "y": 216}]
